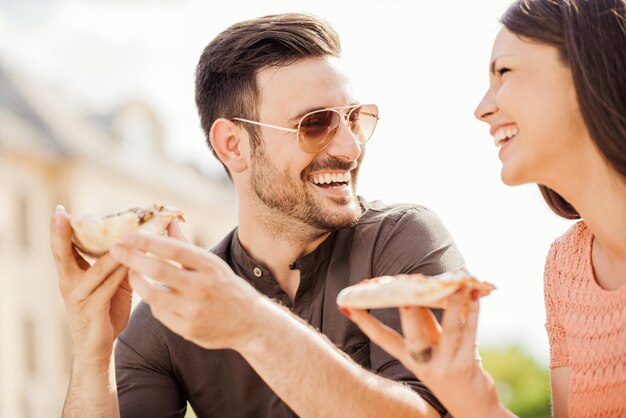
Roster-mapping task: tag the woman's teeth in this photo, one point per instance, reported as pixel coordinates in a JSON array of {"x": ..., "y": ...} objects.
[{"x": 504, "y": 134}]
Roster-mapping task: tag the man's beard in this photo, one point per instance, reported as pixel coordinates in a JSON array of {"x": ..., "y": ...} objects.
[{"x": 292, "y": 198}]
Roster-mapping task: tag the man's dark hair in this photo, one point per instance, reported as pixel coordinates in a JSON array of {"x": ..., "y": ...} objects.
[{"x": 226, "y": 85}]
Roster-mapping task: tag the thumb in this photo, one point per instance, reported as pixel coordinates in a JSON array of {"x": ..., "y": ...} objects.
[{"x": 174, "y": 230}]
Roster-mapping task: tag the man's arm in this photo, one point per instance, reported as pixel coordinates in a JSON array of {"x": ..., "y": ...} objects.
[
  {"x": 315, "y": 378},
  {"x": 98, "y": 301},
  {"x": 91, "y": 392},
  {"x": 206, "y": 303}
]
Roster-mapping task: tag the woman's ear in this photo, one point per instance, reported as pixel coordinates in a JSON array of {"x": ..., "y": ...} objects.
[{"x": 224, "y": 138}]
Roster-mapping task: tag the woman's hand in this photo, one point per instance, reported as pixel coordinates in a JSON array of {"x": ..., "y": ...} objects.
[{"x": 445, "y": 359}]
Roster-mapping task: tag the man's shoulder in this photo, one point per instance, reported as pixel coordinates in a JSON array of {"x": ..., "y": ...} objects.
[
  {"x": 404, "y": 238},
  {"x": 376, "y": 212}
]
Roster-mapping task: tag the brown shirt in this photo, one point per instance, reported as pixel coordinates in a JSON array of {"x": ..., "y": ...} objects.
[{"x": 158, "y": 371}]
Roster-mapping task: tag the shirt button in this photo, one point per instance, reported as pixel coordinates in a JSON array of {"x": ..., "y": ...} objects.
[{"x": 257, "y": 272}]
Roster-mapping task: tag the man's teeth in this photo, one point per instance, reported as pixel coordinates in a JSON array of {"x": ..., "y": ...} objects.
[
  {"x": 503, "y": 134},
  {"x": 327, "y": 178}
]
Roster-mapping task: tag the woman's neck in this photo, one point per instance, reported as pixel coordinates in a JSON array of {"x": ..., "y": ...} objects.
[{"x": 599, "y": 196}]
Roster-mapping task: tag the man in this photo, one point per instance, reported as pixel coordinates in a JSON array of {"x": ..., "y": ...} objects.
[{"x": 228, "y": 332}]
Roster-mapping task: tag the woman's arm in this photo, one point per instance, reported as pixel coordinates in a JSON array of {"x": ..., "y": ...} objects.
[{"x": 559, "y": 380}]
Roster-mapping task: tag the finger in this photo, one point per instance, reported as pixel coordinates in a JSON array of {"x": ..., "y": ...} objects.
[
  {"x": 414, "y": 328},
  {"x": 382, "y": 335},
  {"x": 187, "y": 255},
  {"x": 175, "y": 231},
  {"x": 467, "y": 347},
  {"x": 451, "y": 324},
  {"x": 160, "y": 270},
  {"x": 104, "y": 292},
  {"x": 158, "y": 297},
  {"x": 61, "y": 243},
  {"x": 80, "y": 260},
  {"x": 95, "y": 276},
  {"x": 433, "y": 329}
]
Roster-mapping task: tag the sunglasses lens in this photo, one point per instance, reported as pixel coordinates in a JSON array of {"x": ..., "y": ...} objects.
[
  {"x": 363, "y": 120},
  {"x": 317, "y": 129}
]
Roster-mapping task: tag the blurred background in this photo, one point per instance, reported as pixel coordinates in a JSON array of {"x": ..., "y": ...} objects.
[{"x": 97, "y": 113}]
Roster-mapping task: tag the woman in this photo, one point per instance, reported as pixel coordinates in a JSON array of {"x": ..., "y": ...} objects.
[{"x": 556, "y": 107}]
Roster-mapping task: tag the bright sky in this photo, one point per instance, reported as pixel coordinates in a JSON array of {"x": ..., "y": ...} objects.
[{"x": 423, "y": 62}]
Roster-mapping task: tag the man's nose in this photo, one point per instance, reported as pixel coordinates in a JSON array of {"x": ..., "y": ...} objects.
[{"x": 345, "y": 145}]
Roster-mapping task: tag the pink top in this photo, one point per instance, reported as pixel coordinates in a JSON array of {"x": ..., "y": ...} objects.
[{"x": 586, "y": 327}]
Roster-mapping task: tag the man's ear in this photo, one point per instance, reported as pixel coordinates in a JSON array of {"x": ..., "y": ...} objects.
[{"x": 225, "y": 140}]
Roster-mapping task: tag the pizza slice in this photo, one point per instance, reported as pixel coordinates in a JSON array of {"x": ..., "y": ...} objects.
[
  {"x": 409, "y": 290},
  {"x": 94, "y": 235}
]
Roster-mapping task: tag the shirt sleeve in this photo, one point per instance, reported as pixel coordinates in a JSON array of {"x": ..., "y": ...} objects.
[
  {"x": 146, "y": 384},
  {"x": 556, "y": 331},
  {"x": 415, "y": 242}
]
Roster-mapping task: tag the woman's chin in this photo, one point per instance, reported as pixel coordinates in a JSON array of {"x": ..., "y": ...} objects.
[{"x": 511, "y": 177}]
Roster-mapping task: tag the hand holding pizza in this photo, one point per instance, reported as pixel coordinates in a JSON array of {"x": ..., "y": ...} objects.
[
  {"x": 97, "y": 297},
  {"x": 198, "y": 296},
  {"x": 444, "y": 357}
]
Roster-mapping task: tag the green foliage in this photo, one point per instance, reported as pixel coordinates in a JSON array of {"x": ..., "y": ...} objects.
[{"x": 523, "y": 385}]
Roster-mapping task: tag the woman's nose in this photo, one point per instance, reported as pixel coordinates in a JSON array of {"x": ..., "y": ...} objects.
[{"x": 486, "y": 107}]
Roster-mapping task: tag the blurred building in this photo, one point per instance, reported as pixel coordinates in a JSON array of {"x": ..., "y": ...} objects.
[{"x": 52, "y": 151}]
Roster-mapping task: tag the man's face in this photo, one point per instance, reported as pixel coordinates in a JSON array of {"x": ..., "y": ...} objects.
[{"x": 289, "y": 180}]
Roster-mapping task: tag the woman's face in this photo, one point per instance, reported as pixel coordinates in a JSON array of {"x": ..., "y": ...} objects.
[{"x": 533, "y": 112}]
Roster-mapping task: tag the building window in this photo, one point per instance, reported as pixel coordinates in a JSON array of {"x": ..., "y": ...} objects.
[
  {"x": 30, "y": 361},
  {"x": 22, "y": 221}
]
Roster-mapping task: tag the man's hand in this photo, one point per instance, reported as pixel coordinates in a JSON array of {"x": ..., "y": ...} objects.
[
  {"x": 98, "y": 298},
  {"x": 202, "y": 300}
]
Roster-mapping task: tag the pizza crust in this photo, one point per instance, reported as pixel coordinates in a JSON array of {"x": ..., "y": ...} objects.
[
  {"x": 94, "y": 235},
  {"x": 409, "y": 290}
]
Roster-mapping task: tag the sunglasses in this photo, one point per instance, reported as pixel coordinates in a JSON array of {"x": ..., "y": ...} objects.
[{"x": 317, "y": 129}]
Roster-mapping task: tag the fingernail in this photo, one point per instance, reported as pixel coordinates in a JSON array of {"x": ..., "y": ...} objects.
[
  {"x": 345, "y": 311},
  {"x": 474, "y": 295},
  {"x": 59, "y": 209}
]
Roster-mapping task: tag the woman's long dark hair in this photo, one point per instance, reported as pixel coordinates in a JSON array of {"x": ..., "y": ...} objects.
[{"x": 591, "y": 38}]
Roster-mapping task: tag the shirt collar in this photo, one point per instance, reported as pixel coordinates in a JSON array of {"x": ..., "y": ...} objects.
[{"x": 255, "y": 270}]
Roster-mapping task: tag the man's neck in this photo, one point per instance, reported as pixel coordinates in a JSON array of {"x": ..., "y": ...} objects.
[{"x": 276, "y": 242}]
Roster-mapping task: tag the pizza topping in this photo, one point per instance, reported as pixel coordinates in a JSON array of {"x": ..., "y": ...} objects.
[
  {"x": 409, "y": 290},
  {"x": 381, "y": 279},
  {"x": 94, "y": 235}
]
